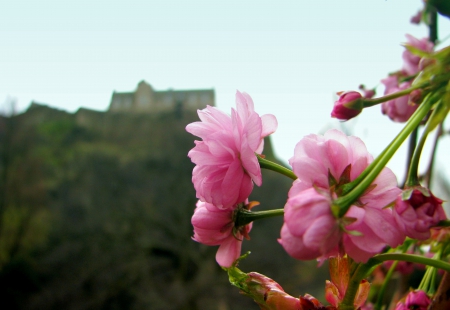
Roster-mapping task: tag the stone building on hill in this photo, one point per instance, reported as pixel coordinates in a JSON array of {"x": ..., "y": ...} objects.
[{"x": 146, "y": 99}]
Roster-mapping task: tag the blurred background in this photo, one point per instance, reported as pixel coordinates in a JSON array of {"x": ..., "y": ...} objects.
[{"x": 95, "y": 183}]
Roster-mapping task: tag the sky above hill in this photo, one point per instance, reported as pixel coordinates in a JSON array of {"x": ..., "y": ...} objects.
[{"x": 290, "y": 56}]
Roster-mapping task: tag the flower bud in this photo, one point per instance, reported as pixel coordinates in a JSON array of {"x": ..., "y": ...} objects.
[
  {"x": 268, "y": 294},
  {"x": 416, "y": 19},
  {"x": 348, "y": 105},
  {"x": 418, "y": 300}
]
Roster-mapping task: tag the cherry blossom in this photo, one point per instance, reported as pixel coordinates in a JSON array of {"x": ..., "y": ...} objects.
[
  {"x": 323, "y": 164},
  {"x": 214, "y": 226},
  {"x": 399, "y": 109},
  {"x": 226, "y": 165},
  {"x": 418, "y": 214}
]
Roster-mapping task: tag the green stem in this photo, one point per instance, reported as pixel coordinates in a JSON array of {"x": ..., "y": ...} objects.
[
  {"x": 353, "y": 284},
  {"x": 267, "y": 164},
  {"x": 428, "y": 283},
  {"x": 444, "y": 223},
  {"x": 437, "y": 116},
  {"x": 245, "y": 217},
  {"x": 412, "y": 258},
  {"x": 429, "y": 172},
  {"x": 363, "y": 269},
  {"x": 433, "y": 25},
  {"x": 363, "y": 181},
  {"x": 401, "y": 93},
  {"x": 380, "y": 297},
  {"x": 411, "y": 147},
  {"x": 413, "y": 177}
]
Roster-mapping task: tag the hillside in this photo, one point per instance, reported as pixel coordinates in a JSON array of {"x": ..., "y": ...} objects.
[{"x": 95, "y": 214}]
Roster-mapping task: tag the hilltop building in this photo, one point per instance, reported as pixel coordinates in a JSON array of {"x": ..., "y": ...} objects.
[{"x": 146, "y": 99}]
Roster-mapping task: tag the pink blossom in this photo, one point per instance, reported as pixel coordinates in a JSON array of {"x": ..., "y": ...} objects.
[
  {"x": 226, "y": 165},
  {"x": 347, "y": 106},
  {"x": 418, "y": 214},
  {"x": 214, "y": 226},
  {"x": 417, "y": 300},
  {"x": 310, "y": 230},
  {"x": 410, "y": 60},
  {"x": 398, "y": 109}
]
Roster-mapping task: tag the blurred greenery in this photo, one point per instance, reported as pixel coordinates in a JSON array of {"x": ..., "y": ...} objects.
[{"x": 95, "y": 214}]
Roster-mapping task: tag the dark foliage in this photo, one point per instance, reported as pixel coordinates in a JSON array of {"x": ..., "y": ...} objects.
[{"x": 95, "y": 214}]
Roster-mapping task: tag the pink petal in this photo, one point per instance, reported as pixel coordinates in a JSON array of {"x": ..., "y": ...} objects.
[
  {"x": 269, "y": 124},
  {"x": 295, "y": 246},
  {"x": 229, "y": 251}
]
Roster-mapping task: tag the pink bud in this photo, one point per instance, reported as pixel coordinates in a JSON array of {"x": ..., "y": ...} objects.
[
  {"x": 269, "y": 294},
  {"x": 347, "y": 106},
  {"x": 416, "y": 19},
  {"x": 417, "y": 300}
]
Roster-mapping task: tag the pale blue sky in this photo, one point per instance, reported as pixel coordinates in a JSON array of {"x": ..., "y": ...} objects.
[{"x": 290, "y": 56}]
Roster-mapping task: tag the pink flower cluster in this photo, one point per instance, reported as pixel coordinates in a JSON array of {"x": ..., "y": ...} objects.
[
  {"x": 418, "y": 214},
  {"x": 226, "y": 168},
  {"x": 310, "y": 229},
  {"x": 401, "y": 109},
  {"x": 226, "y": 165}
]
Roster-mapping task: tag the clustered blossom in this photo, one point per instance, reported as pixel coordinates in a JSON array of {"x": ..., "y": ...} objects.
[
  {"x": 226, "y": 165},
  {"x": 401, "y": 109},
  {"x": 418, "y": 214},
  {"x": 310, "y": 229},
  {"x": 410, "y": 60},
  {"x": 226, "y": 168}
]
